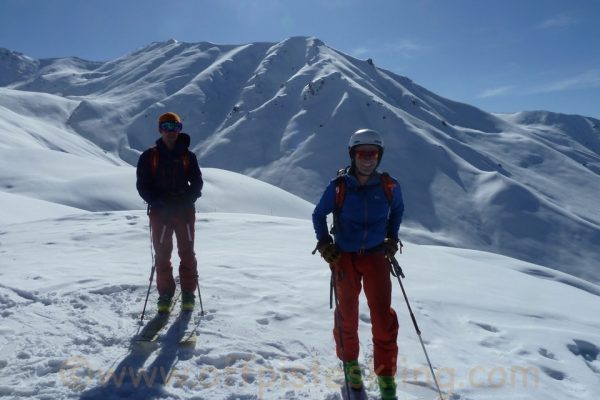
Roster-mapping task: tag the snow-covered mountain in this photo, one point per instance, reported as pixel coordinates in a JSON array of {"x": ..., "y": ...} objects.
[
  {"x": 75, "y": 250},
  {"x": 523, "y": 185}
]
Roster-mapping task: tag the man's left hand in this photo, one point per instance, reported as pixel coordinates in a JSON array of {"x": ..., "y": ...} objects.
[{"x": 391, "y": 247}]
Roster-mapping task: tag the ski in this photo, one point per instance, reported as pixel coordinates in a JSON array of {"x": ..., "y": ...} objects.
[
  {"x": 354, "y": 394},
  {"x": 181, "y": 331},
  {"x": 151, "y": 330},
  {"x": 187, "y": 337}
]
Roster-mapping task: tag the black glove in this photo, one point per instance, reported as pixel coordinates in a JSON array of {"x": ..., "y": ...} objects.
[
  {"x": 391, "y": 246},
  {"x": 329, "y": 250}
]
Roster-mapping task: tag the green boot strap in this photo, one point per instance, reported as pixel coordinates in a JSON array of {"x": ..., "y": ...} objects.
[
  {"x": 353, "y": 374},
  {"x": 387, "y": 387}
]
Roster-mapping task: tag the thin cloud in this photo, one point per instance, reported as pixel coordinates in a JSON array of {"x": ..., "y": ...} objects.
[
  {"x": 361, "y": 51},
  {"x": 558, "y": 21},
  {"x": 495, "y": 92},
  {"x": 585, "y": 80},
  {"x": 405, "y": 47}
]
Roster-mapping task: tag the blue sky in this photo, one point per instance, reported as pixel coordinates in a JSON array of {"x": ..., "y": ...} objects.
[{"x": 501, "y": 56}]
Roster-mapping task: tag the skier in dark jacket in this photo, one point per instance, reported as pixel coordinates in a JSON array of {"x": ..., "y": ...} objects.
[
  {"x": 170, "y": 181},
  {"x": 366, "y": 232}
]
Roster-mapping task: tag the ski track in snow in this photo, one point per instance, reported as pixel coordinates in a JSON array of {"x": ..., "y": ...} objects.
[{"x": 67, "y": 322}]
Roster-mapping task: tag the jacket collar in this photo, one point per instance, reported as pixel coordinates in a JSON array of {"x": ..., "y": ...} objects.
[
  {"x": 352, "y": 181},
  {"x": 181, "y": 145}
]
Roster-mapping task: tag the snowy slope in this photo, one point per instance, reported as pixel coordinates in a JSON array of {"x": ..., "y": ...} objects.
[
  {"x": 495, "y": 327},
  {"x": 523, "y": 185},
  {"x": 74, "y": 267},
  {"x": 92, "y": 185}
]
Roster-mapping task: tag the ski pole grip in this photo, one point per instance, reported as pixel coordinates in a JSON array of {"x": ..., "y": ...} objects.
[{"x": 397, "y": 267}]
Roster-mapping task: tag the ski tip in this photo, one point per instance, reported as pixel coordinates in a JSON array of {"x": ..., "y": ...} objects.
[
  {"x": 355, "y": 394},
  {"x": 188, "y": 341}
]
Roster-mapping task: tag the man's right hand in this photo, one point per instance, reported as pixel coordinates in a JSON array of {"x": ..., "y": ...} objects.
[{"x": 329, "y": 251}]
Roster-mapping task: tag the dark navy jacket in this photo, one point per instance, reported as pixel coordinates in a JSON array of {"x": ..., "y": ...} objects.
[
  {"x": 366, "y": 217},
  {"x": 171, "y": 187}
]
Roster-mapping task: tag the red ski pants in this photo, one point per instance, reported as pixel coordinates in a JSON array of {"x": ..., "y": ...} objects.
[
  {"x": 374, "y": 271},
  {"x": 163, "y": 226}
]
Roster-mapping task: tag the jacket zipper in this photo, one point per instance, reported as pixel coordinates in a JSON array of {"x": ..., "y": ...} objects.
[{"x": 364, "y": 239}]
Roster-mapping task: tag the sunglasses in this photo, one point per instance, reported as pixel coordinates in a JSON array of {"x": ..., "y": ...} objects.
[
  {"x": 367, "y": 154},
  {"x": 170, "y": 126}
]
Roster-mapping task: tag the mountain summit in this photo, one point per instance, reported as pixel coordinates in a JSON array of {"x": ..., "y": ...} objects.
[{"x": 523, "y": 185}]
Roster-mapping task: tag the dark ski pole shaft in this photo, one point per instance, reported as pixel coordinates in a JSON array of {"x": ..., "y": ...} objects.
[
  {"x": 338, "y": 322},
  {"x": 147, "y": 294},
  {"x": 397, "y": 272},
  {"x": 199, "y": 297},
  {"x": 151, "y": 273},
  {"x": 162, "y": 236}
]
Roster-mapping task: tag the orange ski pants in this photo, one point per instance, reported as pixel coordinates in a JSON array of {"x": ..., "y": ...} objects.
[
  {"x": 163, "y": 226},
  {"x": 374, "y": 271}
]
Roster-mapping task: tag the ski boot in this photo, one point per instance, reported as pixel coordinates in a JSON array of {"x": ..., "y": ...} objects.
[
  {"x": 164, "y": 304},
  {"x": 387, "y": 387},
  {"x": 187, "y": 301},
  {"x": 353, "y": 374}
]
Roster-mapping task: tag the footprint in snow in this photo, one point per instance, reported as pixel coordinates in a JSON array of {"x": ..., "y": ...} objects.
[
  {"x": 485, "y": 327},
  {"x": 546, "y": 353}
]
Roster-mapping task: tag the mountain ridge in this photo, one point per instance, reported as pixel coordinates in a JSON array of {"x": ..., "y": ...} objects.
[{"x": 517, "y": 184}]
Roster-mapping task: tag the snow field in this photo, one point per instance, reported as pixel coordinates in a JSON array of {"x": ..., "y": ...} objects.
[{"x": 494, "y": 327}]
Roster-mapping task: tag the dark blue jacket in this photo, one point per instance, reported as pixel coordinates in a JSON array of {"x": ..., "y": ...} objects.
[
  {"x": 171, "y": 187},
  {"x": 366, "y": 217}
]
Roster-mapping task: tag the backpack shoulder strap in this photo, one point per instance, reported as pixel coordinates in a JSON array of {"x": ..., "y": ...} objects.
[
  {"x": 340, "y": 188},
  {"x": 154, "y": 156},
  {"x": 388, "y": 186},
  {"x": 185, "y": 161},
  {"x": 340, "y": 196}
]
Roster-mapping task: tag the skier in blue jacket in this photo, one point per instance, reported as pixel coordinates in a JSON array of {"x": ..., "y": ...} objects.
[{"x": 365, "y": 232}]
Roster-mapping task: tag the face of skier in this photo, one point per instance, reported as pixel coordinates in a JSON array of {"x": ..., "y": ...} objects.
[
  {"x": 366, "y": 157},
  {"x": 169, "y": 132}
]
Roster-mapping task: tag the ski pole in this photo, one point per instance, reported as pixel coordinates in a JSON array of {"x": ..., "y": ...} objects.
[
  {"x": 397, "y": 272},
  {"x": 147, "y": 294},
  {"x": 338, "y": 322},
  {"x": 199, "y": 296},
  {"x": 151, "y": 274},
  {"x": 191, "y": 239}
]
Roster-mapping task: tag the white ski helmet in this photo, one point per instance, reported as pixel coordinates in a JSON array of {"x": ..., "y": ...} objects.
[{"x": 365, "y": 136}]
